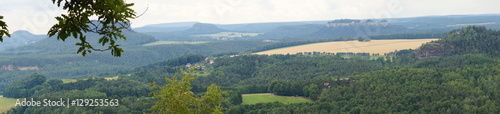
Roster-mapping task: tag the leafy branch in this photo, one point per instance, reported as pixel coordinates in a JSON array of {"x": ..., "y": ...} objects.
[
  {"x": 3, "y": 29},
  {"x": 113, "y": 17}
]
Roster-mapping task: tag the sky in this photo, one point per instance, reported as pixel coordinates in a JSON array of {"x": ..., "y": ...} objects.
[{"x": 37, "y": 16}]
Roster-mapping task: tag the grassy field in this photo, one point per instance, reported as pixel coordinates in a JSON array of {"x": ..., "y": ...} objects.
[
  {"x": 374, "y": 46},
  {"x": 172, "y": 42},
  {"x": 68, "y": 80},
  {"x": 6, "y": 103},
  {"x": 267, "y": 97},
  {"x": 74, "y": 80}
]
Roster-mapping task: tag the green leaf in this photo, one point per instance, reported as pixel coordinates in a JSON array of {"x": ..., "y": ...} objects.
[{"x": 109, "y": 13}]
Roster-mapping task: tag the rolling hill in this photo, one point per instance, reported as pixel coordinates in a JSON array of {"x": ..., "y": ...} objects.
[
  {"x": 309, "y": 29},
  {"x": 202, "y": 28},
  {"x": 165, "y": 27},
  {"x": 51, "y": 44},
  {"x": 291, "y": 31},
  {"x": 20, "y": 38}
]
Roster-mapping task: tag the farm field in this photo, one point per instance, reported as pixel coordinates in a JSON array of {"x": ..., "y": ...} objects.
[
  {"x": 6, "y": 103},
  {"x": 374, "y": 46},
  {"x": 267, "y": 97},
  {"x": 173, "y": 42}
]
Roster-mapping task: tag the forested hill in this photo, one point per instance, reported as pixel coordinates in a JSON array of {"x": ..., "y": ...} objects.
[
  {"x": 331, "y": 30},
  {"x": 473, "y": 39},
  {"x": 463, "y": 79},
  {"x": 469, "y": 40},
  {"x": 357, "y": 30},
  {"x": 20, "y": 38},
  {"x": 291, "y": 31}
]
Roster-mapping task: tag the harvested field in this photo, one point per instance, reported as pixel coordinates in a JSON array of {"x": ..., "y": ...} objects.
[{"x": 374, "y": 46}]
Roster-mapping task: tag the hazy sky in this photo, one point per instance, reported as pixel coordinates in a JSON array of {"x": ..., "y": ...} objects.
[{"x": 37, "y": 16}]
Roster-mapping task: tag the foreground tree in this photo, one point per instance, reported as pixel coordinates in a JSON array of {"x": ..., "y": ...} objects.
[
  {"x": 176, "y": 97},
  {"x": 3, "y": 29},
  {"x": 113, "y": 16}
]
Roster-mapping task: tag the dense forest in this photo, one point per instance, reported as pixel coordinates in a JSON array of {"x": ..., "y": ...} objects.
[{"x": 463, "y": 79}]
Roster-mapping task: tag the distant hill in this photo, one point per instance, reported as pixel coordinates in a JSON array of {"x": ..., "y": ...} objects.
[
  {"x": 175, "y": 24},
  {"x": 265, "y": 27},
  {"x": 334, "y": 29},
  {"x": 68, "y": 46},
  {"x": 165, "y": 27},
  {"x": 291, "y": 31},
  {"x": 356, "y": 30},
  {"x": 278, "y": 30},
  {"x": 165, "y": 36},
  {"x": 20, "y": 38},
  {"x": 244, "y": 27},
  {"x": 469, "y": 40},
  {"x": 447, "y": 22},
  {"x": 203, "y": 28}
]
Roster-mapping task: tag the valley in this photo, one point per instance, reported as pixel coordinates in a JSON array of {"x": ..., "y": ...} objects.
[{"x": 430, "y": 64}]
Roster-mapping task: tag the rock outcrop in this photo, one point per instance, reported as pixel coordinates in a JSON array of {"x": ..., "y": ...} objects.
[{"x": 432, "y": 50}]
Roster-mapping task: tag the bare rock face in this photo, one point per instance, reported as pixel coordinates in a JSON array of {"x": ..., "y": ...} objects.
[{"x": 432, "y": 50}]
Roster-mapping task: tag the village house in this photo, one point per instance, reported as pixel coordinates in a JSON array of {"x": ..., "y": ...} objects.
[{"x": 326, "y": 85}]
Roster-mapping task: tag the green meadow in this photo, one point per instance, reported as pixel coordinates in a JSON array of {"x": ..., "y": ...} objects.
[
  {"x": 267, "y": 97},
  {"x": 6, "y": 103}
]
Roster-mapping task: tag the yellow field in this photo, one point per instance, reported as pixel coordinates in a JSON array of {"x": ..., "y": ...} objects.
[{"x": 374, "y": 46}]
